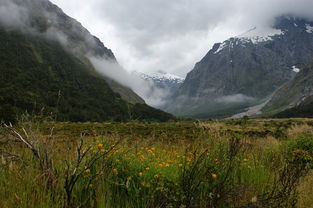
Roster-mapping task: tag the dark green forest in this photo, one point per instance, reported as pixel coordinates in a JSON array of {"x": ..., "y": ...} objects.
[{"x": 40, "y": 76}]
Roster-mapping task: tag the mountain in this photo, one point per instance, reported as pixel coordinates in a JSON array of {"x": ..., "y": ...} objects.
[
  {"x": 43, "y": 18},
  {"x": 163, "y": 80},
  {"x": 45, "y": 68},
  {"x": 295, "y": 98},
  {"x": 246, "y": 70}
]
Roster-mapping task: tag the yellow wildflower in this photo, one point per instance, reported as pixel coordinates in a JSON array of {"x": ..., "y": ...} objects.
[
  {"x": 140, "y": 174},
  {"x": 214, "y": 175},
  {"x": 115, "y": 172},
  {"x": 156, "y": 176},
  {"x": 87, "y": 170},
  {"x": 147, "y": 168},
  {"x": 100, "y": 145},
  {"x": 180, "y": 165}
]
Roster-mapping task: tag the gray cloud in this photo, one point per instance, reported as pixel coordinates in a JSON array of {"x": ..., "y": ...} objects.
[
  {"x": 236, "y": 98},
  {"x": 12, "y": 15},
  {"x": 173, "y": 35},
  {"x": 17, "y": 16},
  {"x": 152, "y": 95},
  {"x": 158, "y": 34}
]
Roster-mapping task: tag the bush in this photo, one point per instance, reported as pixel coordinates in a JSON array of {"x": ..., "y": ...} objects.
[
  {"x": 301, "y": 150},
  {"x": 7, "y": 114}
]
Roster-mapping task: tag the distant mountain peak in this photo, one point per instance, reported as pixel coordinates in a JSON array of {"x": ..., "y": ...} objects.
[
  {"x": 165, "y": 83},
  {"x": 262, "y": 34},
  {"x": 254, "y": 35},
  {"x": 161, "y": 76}
]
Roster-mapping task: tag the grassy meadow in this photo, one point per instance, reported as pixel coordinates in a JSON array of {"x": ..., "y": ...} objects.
[{"x": 231, "y": 163}]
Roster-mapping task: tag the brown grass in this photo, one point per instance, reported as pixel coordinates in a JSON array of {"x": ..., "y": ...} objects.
[
  {"x": 298, "y": 130},
  {"x": 306, "y": 192},
  {"x": 262, "y": 144}
]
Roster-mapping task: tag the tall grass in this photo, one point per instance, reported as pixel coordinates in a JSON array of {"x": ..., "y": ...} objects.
[{"x": 218, "y": 164}]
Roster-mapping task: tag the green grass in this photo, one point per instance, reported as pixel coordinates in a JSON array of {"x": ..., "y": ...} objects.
[{"x": 202, "y": 164}]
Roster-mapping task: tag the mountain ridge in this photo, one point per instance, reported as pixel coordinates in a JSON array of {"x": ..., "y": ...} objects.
[
  {"x": 243, "y": 71},
  {"x": 48, "y": 20},
  {"x": 50, "y": 74}
]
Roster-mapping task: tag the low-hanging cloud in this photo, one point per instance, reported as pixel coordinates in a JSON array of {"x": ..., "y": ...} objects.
[
  {"x": 157, "y": 34},
  {"x": 17, "y": 16},
  {"x": 236, "y": 98},
  {"x": 153, "y": 95},
  {"x": 12, "y": 15},
  {"x": 174, "y": 35}
]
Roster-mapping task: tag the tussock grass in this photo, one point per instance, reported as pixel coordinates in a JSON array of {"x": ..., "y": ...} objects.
[
  {"x": 306, "y": 191},
  {"x": 299, "y": 130},
  {"x": 261, "y": 163}
]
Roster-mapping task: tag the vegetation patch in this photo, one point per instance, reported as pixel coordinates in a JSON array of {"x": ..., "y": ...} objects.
[{"x": 201, "y": 164}]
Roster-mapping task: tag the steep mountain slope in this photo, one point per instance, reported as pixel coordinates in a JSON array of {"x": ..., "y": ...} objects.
[
  {"x": 303, "y": 110},
  {"x": 245, "y": 70},
  {"x": 295, "y": 98},
  {"x": 40, "y": 74},
  {"x": 42, "y": 18}
]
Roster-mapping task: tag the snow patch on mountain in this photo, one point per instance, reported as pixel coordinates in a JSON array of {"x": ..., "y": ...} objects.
[
  {"x": 221, "y": 47},
  {"x": 257, "y": 35},
  {"x": 254, "y": 35},
  {"x": 161, "y": 76},
  {"x": 295, "y": 69},
  {"x": 309, "y": 28}
]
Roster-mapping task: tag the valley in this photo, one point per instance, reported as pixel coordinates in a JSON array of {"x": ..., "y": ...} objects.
[
  {"x": 235, "y": 163},
  {"x": 226, "y": 122}
]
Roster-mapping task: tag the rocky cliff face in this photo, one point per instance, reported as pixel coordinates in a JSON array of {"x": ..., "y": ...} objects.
[
  {"x": 244, "y": 70},
  {"x": 296, "y": 93}
]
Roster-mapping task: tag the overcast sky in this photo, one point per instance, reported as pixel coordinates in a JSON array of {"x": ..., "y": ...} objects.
[{"x": 172, "y": 35}]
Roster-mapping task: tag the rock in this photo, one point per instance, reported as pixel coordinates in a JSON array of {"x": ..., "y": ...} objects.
[{"x": 243, "y": 71}]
